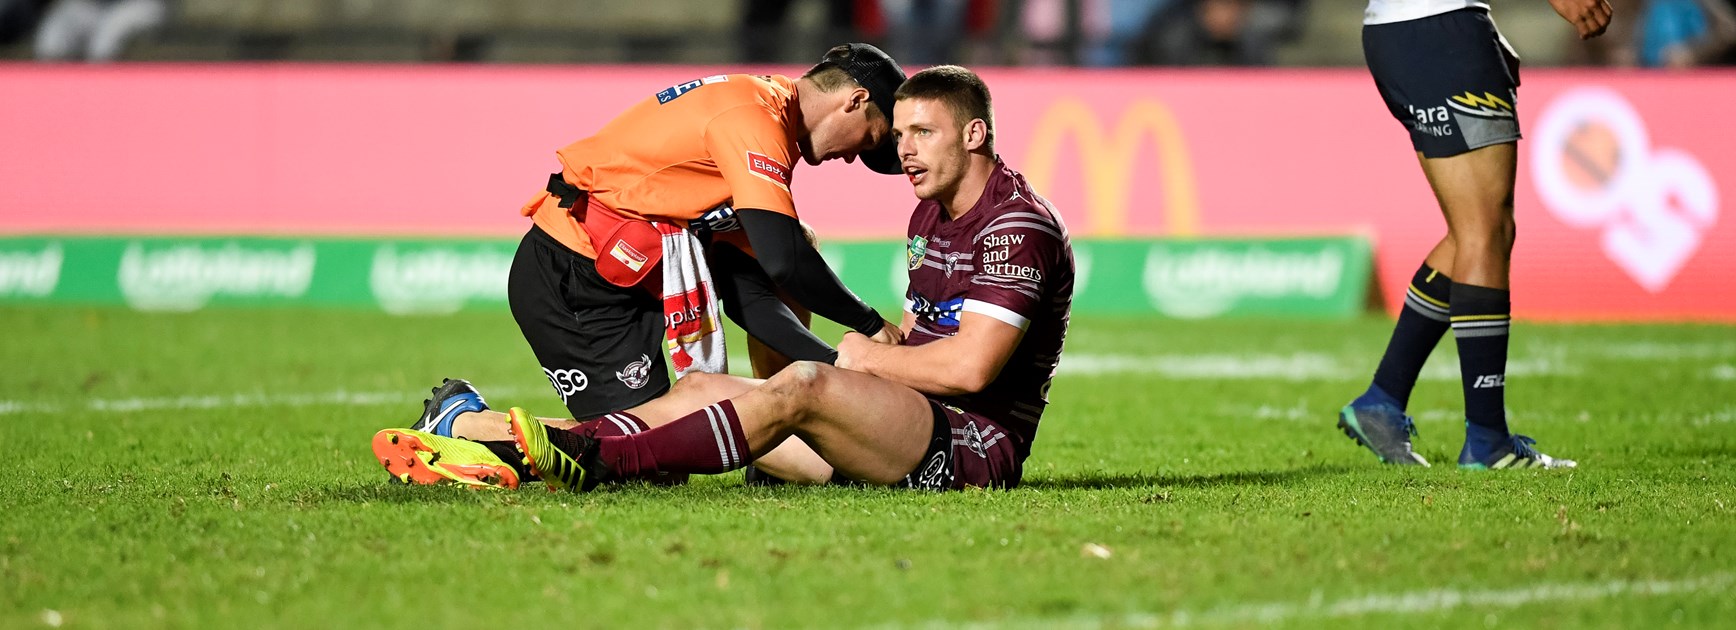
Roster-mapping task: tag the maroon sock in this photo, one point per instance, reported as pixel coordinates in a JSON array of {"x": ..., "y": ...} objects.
[
  {"x": 708, "y": 441},
  {"x": 611, "y": 425}
]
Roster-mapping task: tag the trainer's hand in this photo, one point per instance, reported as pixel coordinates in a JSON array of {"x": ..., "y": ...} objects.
[
  {"x": 1591, "y": 17},
  {"x": 889, "y": 334}
]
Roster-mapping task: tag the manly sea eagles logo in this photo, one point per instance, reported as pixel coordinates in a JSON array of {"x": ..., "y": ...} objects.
[
  {"x": 973, "y": 439},
  {"x": 637, "y": 373}
]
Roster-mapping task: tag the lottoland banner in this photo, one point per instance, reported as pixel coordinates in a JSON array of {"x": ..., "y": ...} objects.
[
  {"x": 1316, "y": 277},
  {"x": 1621, "y": 180}
]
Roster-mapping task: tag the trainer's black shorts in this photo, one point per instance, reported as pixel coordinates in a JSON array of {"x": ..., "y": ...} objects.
[
  {"x": 601, "y": 346},
  {"x": 1450, "y": 78},
  {"x": 967, "y": 450}
]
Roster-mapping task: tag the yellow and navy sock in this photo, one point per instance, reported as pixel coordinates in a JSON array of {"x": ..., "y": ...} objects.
[
  {"x": 1420, "y": 326},
  {"x": 1480, "y": 316}
]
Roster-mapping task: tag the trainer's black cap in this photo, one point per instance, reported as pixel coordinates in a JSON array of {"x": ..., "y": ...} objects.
[{"x": 874, "y": 70}]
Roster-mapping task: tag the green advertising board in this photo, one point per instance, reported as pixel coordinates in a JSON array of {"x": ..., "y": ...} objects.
[{"x": 1184, "y": 278}]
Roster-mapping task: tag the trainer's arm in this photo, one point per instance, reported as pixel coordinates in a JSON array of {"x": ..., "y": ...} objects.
[
  {"x": 795, "y": 266},
  {"x": 964, "y": 363},
  {"x": 751, "y": 301}
]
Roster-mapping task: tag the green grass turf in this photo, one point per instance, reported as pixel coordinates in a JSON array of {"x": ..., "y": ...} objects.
[{"x": 201, "y": 470}]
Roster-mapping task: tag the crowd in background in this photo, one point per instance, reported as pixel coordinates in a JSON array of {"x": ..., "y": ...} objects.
[{"x": 1098, "y": 33}]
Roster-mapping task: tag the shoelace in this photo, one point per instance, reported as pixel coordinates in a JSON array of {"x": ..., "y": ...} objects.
[
  {"x": 1410, "y": 426},
  {"x": 1522, "y": 447}
]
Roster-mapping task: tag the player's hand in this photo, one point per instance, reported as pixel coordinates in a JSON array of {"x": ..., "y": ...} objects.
[
  {"x": 851, "y": 349},
  {"x": 1591, "y": 17},
  {"x": 889, "y": 334}
]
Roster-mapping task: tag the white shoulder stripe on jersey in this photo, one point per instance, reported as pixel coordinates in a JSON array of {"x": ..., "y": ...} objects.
[
  {"x": 1040, "y": 227},
  {"x": 1017, "y": 215},
  {"x": 998, "y": 312}
]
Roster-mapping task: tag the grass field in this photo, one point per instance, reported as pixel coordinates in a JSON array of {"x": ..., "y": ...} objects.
[{"x": 212, "y": 470}]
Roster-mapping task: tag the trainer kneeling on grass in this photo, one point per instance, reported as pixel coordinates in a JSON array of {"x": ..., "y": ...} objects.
[
  {"x": 956, "y": 404},
  {"x": 683, "y": 198}
]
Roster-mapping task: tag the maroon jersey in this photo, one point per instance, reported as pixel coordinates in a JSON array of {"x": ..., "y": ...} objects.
[{"x": 1008, "y": 258}]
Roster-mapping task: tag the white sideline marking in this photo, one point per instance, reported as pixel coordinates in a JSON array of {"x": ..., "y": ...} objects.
[
  {"x": 1299, "y": 366},
  {"x": 229, "y": 401},
  {"x": 1406, "y": 603},
  {"x": 1295, "y": 367},
  {"x": 1663, "y": 351}
]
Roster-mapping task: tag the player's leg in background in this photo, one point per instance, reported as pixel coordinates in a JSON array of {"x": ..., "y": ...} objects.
[
  {"x": 1376, "y": 418},
  {"x": 1475, "y": 190},
  {"x": 1422, "y": 320},
  {"x": 793, "y": 461},
  {"x": 867, "y": 428}
]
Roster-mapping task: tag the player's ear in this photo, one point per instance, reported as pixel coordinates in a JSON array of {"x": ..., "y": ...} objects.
[
  {"x": 976, "y": 133},
  {"x": 858, "y": 99}
]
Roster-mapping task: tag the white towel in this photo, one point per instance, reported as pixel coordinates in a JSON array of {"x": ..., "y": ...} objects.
[{"x": 690, "y": 316}]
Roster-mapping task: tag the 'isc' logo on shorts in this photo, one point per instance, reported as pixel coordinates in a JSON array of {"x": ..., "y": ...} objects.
[{"x": 567, "y": 382}]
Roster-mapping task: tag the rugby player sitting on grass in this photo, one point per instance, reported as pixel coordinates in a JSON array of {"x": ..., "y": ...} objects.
[{"x": 956, "y": 404}]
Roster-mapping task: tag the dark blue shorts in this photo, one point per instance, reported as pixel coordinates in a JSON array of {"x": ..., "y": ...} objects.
[{"x": 1450, "y": 78}]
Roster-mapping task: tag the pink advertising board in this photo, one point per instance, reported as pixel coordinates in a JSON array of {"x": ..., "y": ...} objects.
[{"x": 1621, "y": 181}]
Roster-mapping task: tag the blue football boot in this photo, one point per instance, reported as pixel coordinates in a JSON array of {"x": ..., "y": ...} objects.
[
  {"x": 452, "y": 397},
  {"x": 1485, "y": 450},
  {"x": 1376, "y": 420}
]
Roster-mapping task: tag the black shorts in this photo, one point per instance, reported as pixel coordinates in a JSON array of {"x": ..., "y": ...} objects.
[
  {"x": 601, "y": 346},
  {"x": 1450, "y": 78},
  {"x": 967, "y": 450}
]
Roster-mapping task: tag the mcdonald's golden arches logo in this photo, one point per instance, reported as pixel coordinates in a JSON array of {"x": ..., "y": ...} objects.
[{"x": 1106, "y": 162}]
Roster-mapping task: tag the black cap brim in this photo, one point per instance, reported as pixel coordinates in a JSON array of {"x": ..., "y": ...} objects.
[
  {"x": 874, "y": 70},
  {"x": 883, "y": 159}
]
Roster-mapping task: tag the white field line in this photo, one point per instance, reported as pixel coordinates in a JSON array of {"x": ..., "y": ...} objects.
[
  {"x": 1309, "y": 412},
  {"x": 1404, "y": 603},
  {"x": 229, "y": 401},
  {"x": 1660, "y": 351},
  {"x": 1298, "y": 366}
]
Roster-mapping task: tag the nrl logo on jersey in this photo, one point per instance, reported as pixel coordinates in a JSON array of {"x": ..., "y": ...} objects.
[{"x": 913, "y": 254}]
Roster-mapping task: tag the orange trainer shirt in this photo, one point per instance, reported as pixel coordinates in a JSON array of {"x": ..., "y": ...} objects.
[{"x": 682, "y": 152}]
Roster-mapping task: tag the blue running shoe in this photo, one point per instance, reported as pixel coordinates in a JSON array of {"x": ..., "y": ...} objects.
[
  {"x": 454, "y": 396},
  {"x": 1515, "y": 451},
  {"x": 1376, "y": 421}
]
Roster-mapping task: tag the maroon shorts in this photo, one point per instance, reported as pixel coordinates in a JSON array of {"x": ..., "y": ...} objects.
[{"x": 967, "y": 450}]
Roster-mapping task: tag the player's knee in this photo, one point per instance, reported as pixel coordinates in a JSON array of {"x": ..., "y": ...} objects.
[
  {"x": 1495, "y": 235},
  {"x": 701, "y": 384},
  {"x": 800, "y": 378},
  {"x": 798, "y": 385}
]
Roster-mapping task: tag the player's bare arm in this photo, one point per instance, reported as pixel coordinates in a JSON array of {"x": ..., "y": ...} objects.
[
  {"x": 1590, "y": 17},
  {"x": 972, "y": 358}
]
